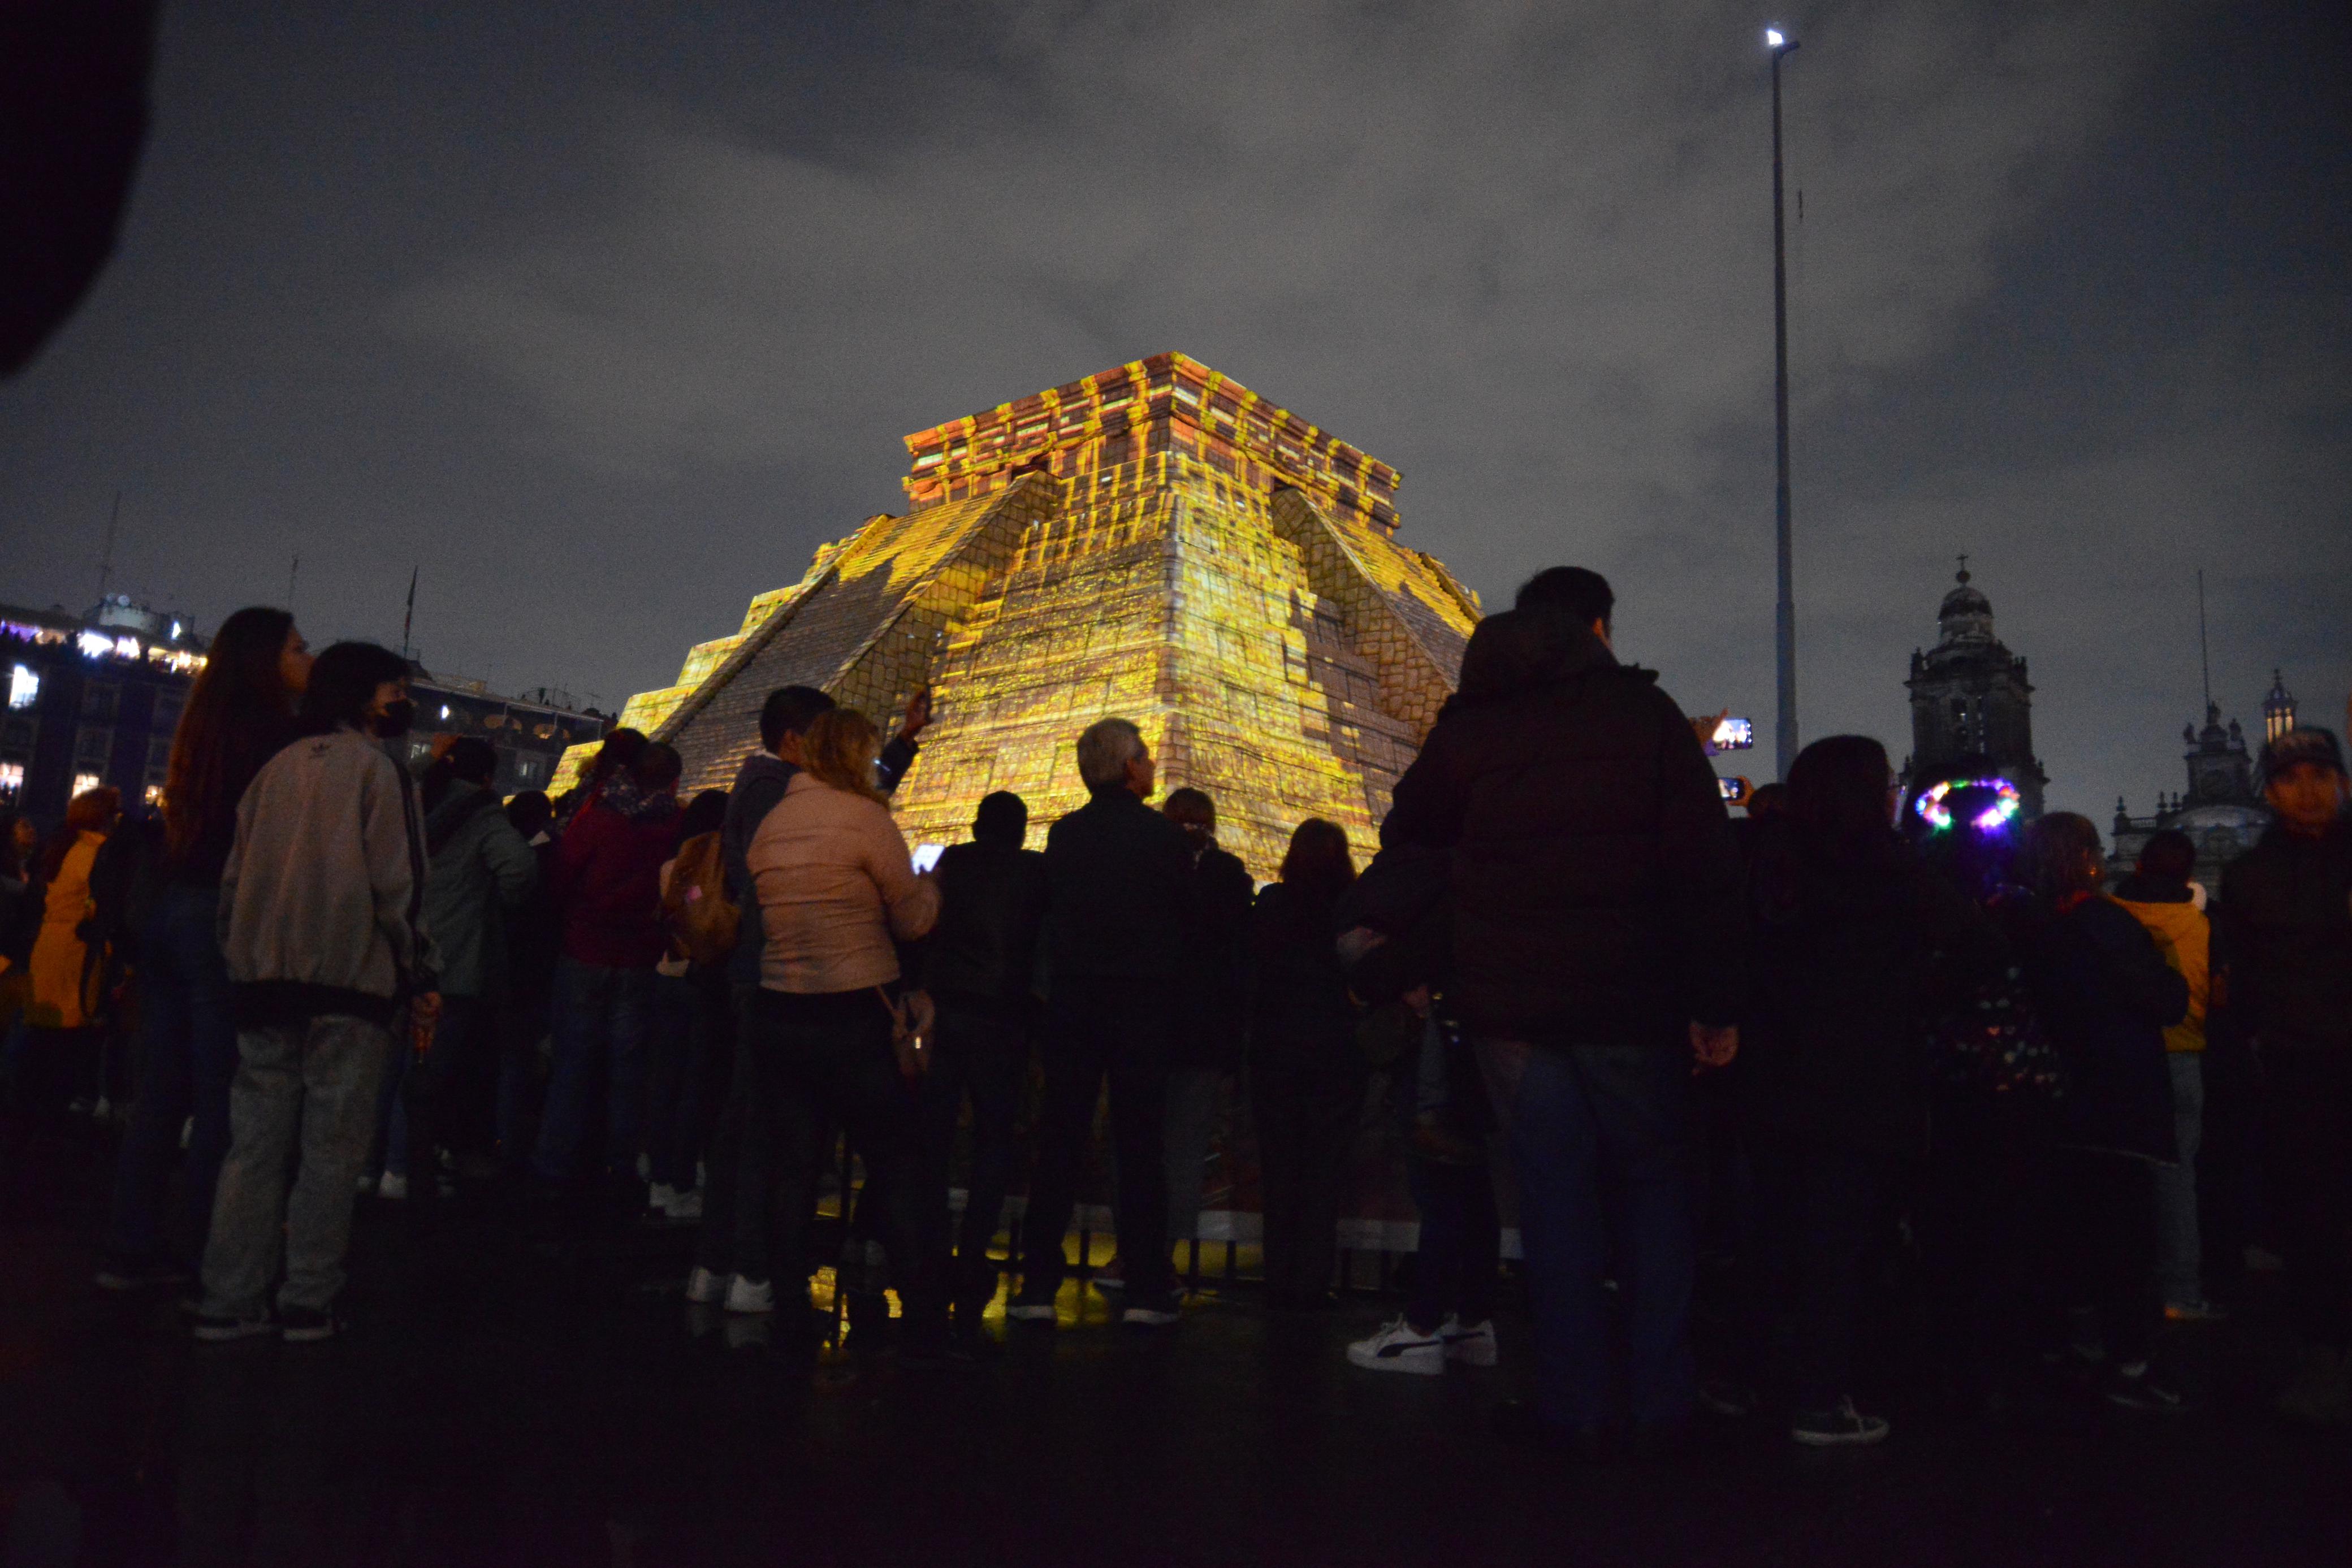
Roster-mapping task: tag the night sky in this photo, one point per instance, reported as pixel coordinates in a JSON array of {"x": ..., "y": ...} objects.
[{"x": 605, "y": 318}]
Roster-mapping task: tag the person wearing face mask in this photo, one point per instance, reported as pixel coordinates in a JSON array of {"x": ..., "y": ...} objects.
[{"x": 321, "y": 928}]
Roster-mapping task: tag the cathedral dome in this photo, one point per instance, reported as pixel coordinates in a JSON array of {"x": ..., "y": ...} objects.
[{"x": 1966, "y": 612}]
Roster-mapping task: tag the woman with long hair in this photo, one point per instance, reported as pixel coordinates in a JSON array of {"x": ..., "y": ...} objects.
[
  {"x": 1856, "y": 935},
  {"x": 1307, "y": 1074},
  {"x": 240, "y": 713},
  {"x": 60, "y": 1061},
  {"x": 837, "y": 889},
  {"x": 2105, "y": 993}
]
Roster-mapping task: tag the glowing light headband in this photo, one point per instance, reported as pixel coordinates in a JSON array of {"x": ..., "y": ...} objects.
[{"x": 2005, "y": 808}]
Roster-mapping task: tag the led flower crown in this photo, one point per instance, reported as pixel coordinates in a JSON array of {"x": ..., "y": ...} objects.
[{"x": 1935, "y": 807}]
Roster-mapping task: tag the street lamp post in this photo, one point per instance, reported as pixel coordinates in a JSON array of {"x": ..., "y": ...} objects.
[{"x": 1785, "y": 639}]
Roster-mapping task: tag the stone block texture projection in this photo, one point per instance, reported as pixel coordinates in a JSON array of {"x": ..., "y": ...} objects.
[{"x": 1155, "y": 541}]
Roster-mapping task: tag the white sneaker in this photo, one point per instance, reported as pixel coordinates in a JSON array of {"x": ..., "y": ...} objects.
[
  {"x": 685, "y": 1205},
  {"x": 1472, "y": 1345},
  {"x": 660, "y": 1195},
  {"x": 391, "y": 1187},
  {"x": 1398, "y": 1347},
  {"x": 751, "y": 1295},
  {"x": 703, "y": 1288}
]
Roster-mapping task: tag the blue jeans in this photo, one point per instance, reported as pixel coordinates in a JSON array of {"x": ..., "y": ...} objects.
[
  {"x": 1599, "y": 1139},
  {"x": 2180, "y": 1260},
  {"x": 602, "y": 1018},
  {"x": 188, "y": 1058}
]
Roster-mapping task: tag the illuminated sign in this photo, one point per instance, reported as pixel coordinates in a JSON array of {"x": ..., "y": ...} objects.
[{"x": 24, "y": 688}]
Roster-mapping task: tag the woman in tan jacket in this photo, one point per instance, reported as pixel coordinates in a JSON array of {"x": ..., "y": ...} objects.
[{"x": 838, "y": 892}]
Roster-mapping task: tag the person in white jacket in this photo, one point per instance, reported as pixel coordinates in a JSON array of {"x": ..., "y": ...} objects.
[{"x": 322, "y": 927}]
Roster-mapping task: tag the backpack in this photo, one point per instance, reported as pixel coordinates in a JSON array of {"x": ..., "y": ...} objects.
[
  {"x": 700, "y": 919},
  {"x": 1992, "y": 1043}
]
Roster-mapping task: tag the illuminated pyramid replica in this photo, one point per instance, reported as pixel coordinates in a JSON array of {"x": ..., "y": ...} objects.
[{"x": 1156, "y": 541}]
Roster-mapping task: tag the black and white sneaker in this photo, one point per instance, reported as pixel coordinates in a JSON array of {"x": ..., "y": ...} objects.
[
  {"x": 1151, "y": 1313},
  {"x": 1843, "y": 1426},
  {"x": 215, "y": 1329},
  {"x": 2135, "y": 1387},
  {"x": 309, "y": 1325},
  {"x": 1472, "y": 1344},
  {"x": 1401, "y": 1347}
]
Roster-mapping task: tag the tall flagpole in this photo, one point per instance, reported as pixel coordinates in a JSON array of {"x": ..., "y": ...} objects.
[
  {"x": 408, "y": 620},
  {"x": 1785, "y": 740}
]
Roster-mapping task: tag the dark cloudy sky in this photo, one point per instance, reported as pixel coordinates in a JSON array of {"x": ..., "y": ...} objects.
[{"x": 606, "y": 318}]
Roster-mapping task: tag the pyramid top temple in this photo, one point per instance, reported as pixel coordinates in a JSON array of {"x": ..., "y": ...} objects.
[{"x": 1155, "y": 541}]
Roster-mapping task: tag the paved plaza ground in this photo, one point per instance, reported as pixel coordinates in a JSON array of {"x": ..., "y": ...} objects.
[{"x": 520, "y": 1391}]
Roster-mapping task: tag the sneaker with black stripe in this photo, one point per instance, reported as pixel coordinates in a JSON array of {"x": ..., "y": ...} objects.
[
  {"x": 217, "y": 1329},
  {"x": 1401, "y": 1347},
  {"x": 309, "y": 1325}
]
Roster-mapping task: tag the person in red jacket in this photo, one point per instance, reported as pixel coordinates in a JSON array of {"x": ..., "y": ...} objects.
[{"x": 607, "y": 883}]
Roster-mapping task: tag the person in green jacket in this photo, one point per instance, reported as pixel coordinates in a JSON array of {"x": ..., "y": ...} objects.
[{"x": 481, "y": 872}]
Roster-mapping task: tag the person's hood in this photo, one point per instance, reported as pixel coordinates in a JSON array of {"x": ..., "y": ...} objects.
[
  {"x": 2334, "y": 843},
  {"x": 763, "y": 764},
  {"x": 2175, "y": 921},
  {"x": 459, "y": 792},
  {"x": 623, "y": 795},
  {"x": 2138, "y": 888},
  {"x": 1519, "y": 649}
]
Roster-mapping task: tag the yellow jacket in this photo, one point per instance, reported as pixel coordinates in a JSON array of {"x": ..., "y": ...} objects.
[{"x": 2185, "y": 938}]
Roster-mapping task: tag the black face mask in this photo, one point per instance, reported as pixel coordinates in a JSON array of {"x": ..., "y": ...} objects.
[{"x": 395, "y": 719}]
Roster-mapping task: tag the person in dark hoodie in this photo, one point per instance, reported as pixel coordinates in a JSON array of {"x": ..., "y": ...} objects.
[
  {"x": 534, "y": 945},
  {"x": 321, "y": 923},
  {"x": 1306, "y": 1075},
  {"x": 2286, "y": 945},
  {"x": 1598, "y": 945},
  {"x": 759, "y": 784},
  {"x": 980, "y": 968},
  {"x": 608, "y": 885},
  {"x": 1856, "y": 938},
  {"x": 2105, "y": 994},
  {"x": 482, "y": 872},
  {"x": 2158, "y": 895}
]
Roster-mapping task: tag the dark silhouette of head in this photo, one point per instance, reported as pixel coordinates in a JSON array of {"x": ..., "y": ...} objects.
[{"x": 1002, "y": 818}]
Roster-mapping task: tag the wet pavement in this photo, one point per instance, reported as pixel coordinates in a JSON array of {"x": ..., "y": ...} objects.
[{"x": 524, "y": 1389}]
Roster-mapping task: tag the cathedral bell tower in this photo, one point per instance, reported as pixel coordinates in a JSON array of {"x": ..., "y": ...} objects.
[{"x": 1971, "y": 704}]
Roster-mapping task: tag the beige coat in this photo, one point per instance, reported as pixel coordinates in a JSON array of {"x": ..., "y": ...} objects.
[{"x": 835, "y": 885}]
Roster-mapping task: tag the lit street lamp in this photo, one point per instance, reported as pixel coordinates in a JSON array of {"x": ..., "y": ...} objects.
[{"x": 1785, "y": 639}]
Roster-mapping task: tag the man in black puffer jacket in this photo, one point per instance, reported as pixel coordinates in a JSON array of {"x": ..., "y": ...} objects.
[
  {"x": 1598, "y": 942},
  {"x": 979, "y": 966}
]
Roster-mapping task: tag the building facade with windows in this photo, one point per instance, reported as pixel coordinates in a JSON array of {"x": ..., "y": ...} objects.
[
  {"x": 529, "y": 732},
  {"x": 92, "y": 699},
  {"x": 2223, "y": 811}
]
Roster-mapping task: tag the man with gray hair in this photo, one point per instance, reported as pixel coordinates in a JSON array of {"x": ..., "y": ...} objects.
[{"x": 1118, "y": 878}]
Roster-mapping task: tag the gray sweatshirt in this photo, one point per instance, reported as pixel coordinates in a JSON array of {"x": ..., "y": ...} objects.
[{"x": 324, "y": 889}]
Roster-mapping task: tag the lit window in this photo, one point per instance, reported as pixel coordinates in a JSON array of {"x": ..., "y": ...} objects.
[
  {"x": 94, "y": 644},
  {"x": 176, "y": 630},
  {"x": 12, "y": 778},
  {"x": 24, "y": 687},
  {"x": 445, "y": 710},
  {"x": 86, "y": 782},
  {"x": 126, "y": 646},
  {"x": 155, "y": 795}
]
